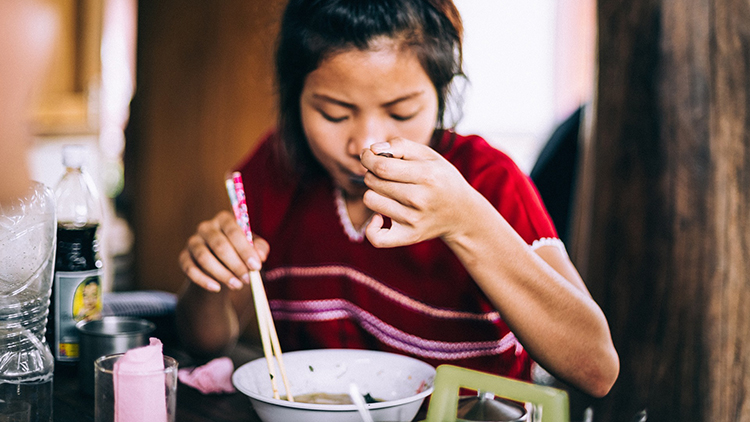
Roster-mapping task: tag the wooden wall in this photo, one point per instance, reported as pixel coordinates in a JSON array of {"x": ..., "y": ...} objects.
[
  {"x": 666, "y": 250},
  {"x": 204, "y": 95}
]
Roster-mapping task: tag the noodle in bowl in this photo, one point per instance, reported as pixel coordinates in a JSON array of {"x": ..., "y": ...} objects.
[{"x": 399, "y": 383}]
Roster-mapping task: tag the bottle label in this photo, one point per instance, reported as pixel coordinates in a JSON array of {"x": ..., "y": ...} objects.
[{"x": 78, "y": 297}]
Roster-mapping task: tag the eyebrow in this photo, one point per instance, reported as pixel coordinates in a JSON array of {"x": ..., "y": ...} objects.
[{"x": 352, "y": 106}]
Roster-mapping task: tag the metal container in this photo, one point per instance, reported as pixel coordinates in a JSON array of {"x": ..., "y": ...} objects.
[
  {"x": 112, "y": 334},
  {"x": 487, "y": 407}
]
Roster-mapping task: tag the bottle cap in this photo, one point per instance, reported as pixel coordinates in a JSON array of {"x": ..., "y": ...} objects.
[{"x": 73, "y": 155}]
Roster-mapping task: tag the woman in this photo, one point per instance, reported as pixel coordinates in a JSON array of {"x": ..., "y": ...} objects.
[{"x": 378, "y": 228}]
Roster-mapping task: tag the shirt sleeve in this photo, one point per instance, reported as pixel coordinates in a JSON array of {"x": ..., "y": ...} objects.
[{"x": 497, "y": 177}]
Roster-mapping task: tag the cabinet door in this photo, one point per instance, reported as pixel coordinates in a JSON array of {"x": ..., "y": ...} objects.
[{"x": 68, "y": 102}]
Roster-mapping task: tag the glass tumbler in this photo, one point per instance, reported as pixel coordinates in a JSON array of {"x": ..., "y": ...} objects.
[{"x": 147, "y": 396}]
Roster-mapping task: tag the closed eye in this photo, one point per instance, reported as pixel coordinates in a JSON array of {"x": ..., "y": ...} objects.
[
  {"x": 403, "y": 118},
  {"x": 333, "y": 119}
]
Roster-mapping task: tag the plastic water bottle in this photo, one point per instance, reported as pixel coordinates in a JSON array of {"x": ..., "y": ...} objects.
[
  {"x": 27, "y": 252},
  {"x": 76, "y": 289}
]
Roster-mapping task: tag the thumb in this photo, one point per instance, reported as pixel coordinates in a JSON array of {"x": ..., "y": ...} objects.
[{"x": 382, "y": 232}]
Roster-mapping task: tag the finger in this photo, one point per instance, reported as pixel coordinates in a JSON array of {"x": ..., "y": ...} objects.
[
  {"x": 410, "y": 194},
  {"x": 389, "y": 206},
  {"x": 262, "y": 247},
  {"x": 212, "y": 257},
  {"x": 391, "y": 169},
  {"x": 404, "y": 161},
  {"x": 403, "y": 149},
  {"x": 195, "y": 274},
  {"x": 377, "y": 223},
  {"x": 249, "y": 257},
  {"x": 396, "y": 235}
]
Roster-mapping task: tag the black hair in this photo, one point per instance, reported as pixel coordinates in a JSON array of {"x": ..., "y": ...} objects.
[
  {"x": 313, "y": 30},
  {"x": 91, "y": 280}
]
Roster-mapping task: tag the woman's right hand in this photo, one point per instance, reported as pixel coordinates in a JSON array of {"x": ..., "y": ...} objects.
[{"x": 219, "y": 254}]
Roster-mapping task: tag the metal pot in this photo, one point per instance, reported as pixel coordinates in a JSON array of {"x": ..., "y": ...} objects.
[
  {"x": 111, "y": 334},
  {"x": 487, "y": 407}
]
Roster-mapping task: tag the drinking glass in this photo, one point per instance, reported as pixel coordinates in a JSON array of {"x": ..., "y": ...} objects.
[{"x": 137, "y": 396}]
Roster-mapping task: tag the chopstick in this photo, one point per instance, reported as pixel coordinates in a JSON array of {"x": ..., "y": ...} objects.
[{"x": 268, "y": 336}]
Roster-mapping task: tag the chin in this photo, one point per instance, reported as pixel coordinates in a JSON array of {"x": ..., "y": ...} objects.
[{"x": 354, "y": 188}]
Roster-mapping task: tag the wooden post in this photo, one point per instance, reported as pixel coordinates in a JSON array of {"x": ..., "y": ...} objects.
[{"x": 665, "y": 246}]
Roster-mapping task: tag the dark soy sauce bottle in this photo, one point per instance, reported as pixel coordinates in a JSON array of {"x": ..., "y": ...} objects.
[{"x": 76, "y": 288}]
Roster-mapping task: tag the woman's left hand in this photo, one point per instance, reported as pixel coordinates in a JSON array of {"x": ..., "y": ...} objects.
[{"x": 423, "y": 194}]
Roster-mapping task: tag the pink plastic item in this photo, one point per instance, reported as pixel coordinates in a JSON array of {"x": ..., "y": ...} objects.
[
  {"x": 139, "y": 385},
  {"x": 215, "y": 377}
]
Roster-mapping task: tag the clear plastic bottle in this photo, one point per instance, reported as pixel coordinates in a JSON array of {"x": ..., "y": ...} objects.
[
  {"x": 76, "y": 290},
  {"x": 27, "y": 252}
]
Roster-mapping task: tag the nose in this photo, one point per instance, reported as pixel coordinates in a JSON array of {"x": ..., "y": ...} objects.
[{"x": 367, "y": 131}]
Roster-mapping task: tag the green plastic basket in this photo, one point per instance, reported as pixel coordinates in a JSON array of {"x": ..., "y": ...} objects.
[{"x": 552, "y": 402}]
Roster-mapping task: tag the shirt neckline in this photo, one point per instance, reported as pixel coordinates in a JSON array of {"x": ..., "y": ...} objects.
[{"x": 354, "y": 235}]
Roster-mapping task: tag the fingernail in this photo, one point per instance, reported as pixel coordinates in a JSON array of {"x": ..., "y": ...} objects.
[
  {"x": 214, "y": 287},
  {"x": 235, "y": 284},
  {"x": 253, "y": 263},
  {"x": 246, "y": 278},
  {"x": 380, "y": 147}
]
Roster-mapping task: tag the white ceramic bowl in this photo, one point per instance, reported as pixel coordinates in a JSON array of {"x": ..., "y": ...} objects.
[{"x": 400, "y": 381}]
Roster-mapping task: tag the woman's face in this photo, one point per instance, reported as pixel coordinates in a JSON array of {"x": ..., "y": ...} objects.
[
  {"x": 357, "y": 98},
  {"x": 90, "y": 295}
]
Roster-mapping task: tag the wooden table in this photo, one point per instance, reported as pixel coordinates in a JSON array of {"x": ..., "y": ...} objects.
[{"x": 71, "y": 405}]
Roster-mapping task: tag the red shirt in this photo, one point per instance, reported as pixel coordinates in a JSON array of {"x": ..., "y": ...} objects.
[{"x": 328, "y": 291}]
